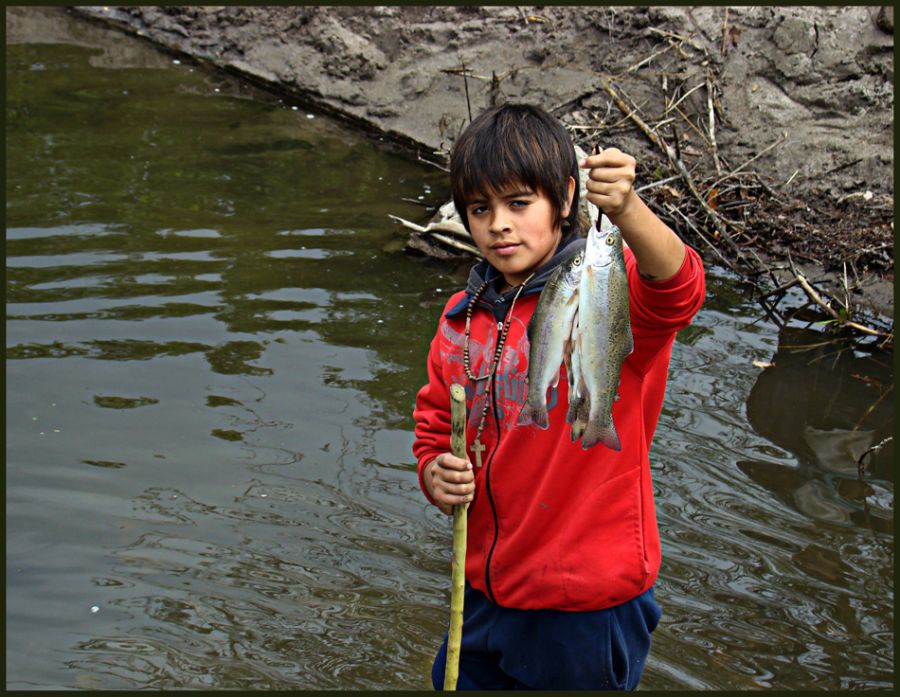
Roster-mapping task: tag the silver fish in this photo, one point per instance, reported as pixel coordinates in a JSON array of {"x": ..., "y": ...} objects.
[
  {"x": 548, "y": 332},
  {"x": 603, "y": 337}
]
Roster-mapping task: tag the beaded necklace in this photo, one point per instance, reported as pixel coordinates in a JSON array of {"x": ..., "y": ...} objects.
[{"x": 477, "y": 446}]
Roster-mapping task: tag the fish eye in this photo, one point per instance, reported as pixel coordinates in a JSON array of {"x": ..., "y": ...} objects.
[
  {"x": 609, "y": 240},
  {"x": 576, "y": 261}
]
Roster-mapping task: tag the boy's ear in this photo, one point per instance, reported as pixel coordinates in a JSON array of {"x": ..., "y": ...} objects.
[{"x": 570, "y": 186}]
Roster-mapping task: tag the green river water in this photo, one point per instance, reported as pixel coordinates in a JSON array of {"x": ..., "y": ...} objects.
[{"x": 213, "y": 347}]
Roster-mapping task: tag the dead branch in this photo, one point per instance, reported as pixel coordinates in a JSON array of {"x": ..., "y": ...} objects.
[{"x": 817, "y": 298}]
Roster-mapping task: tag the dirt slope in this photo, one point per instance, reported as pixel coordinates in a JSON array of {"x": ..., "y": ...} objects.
[{"x": 806, "y": 91}]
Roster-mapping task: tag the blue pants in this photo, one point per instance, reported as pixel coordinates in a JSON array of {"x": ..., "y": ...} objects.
[{"x": 508, "y": 649}]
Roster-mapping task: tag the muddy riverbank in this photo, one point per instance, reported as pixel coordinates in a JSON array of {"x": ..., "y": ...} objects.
[{"x": 800, "y": 96}]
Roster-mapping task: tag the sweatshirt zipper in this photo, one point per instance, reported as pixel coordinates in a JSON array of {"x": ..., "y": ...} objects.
[{"x": 487, "y": 486}]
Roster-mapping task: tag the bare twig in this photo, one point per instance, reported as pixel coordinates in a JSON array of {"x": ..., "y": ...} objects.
[
  {"x": 814, "y": 295},
  {"x": 874, "y": 406},
  {"x": 466, "y": 86},
  {"x": 860, "y": 465},
  {"x": 679, "y": 165},
  {"x": 433, "y": 164},
  {"x": 751, "y": 160},
  {"x": 712, "y": 122},
  {"x": 699, "y": 234},
  {"x": 523, "y": 15},
  {"x": 640, "y": 64},
  {"x": 693, "y": 126},
  {"x": 661, "y": 182},
  {"x": 683, "y": 39},
  {"x": 725, "y": 32},
  {"x": 683, "y": 97}
]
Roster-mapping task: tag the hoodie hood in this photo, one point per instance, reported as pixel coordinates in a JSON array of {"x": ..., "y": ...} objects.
[{"x": 483, "y": 272}]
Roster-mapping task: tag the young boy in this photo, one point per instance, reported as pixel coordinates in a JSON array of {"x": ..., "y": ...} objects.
[{"x": 563, "y": 546}]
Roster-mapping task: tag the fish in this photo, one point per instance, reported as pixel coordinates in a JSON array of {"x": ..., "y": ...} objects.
[
  {"x": 603, "y": 336},
  {"x": 548, "y": 331}
]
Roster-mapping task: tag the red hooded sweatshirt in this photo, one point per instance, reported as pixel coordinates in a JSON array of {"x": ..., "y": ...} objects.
[{"x": 553, "y": 526}]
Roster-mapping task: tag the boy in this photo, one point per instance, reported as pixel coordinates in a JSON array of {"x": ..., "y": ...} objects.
[{"x": 563, "y": 546}]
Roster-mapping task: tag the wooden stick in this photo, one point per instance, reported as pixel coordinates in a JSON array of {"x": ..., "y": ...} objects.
[{"x": 458, "y": 575}]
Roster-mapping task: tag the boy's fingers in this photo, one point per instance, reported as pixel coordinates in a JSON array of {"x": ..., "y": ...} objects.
[
  {"x": 611, "y": 157},
  {"x": 609, "y": 174},
  {"x": 451, "y": 462},
  {"x": 463, "y": 489}
]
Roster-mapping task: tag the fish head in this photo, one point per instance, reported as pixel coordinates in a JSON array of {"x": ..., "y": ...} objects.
[
  {"x": 603, "y": 247},
  {"x": 571, "y": 273}
]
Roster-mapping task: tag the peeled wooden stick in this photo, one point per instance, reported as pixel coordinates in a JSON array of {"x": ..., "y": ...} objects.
[{"x": 458, "y": 574}]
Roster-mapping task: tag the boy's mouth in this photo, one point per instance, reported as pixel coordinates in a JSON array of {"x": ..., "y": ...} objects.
[{"x": 505, "y": 248}]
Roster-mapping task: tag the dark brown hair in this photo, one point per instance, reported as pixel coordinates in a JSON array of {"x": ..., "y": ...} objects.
[{"x": 515, "y": 144}]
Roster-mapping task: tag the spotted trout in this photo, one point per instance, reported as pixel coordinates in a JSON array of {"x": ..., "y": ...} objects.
[
  {"x": 603, "y": 337},
  {"x": 548, "y": 334}
]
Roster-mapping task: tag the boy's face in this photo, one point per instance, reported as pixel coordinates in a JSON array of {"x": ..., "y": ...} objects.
[{"x": 513, "y": 229}]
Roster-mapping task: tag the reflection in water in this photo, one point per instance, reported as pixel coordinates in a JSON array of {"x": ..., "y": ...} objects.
[
  {"x": 749, "y": 598},
  {"x": 827, "y": 406},
  {"x": 211, "y": 366}
]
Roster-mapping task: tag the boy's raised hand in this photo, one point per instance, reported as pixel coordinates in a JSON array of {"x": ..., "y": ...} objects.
[
  {"x": 610, "y": 184},
  {"x": 450, "y": 481}
]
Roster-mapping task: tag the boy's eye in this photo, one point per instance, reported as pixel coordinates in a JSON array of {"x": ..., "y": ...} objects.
[{"x": 477, "y": 210}]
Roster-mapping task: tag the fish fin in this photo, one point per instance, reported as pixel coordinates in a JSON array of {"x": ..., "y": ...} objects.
[
  {"x": 555, "y": 379},
  {"x": 579, "y": 413},
  {"x": 536, "y": 415},
  {"x": 570, "y": 414},
  {"x": 599, "y": 433},
  {"x": 577, "y": 429}
]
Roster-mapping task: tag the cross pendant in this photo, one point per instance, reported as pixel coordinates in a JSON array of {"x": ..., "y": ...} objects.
[{"x": 477, "y": 448}]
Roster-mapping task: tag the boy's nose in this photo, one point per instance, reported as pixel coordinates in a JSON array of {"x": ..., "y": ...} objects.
[{"x": 499, "y": 222}]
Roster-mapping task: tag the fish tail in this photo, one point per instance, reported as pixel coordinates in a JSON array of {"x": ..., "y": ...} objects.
[
  {"x": 601, "y": 433},
  {"x": 534, "y": 414}
]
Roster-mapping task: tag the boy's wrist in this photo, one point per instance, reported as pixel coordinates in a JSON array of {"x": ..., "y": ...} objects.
[{"x": 620, "y": 217}]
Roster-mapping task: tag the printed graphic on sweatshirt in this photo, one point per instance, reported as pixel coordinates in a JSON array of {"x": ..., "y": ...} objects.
[{"x": 510, "y": 385}]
